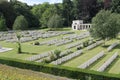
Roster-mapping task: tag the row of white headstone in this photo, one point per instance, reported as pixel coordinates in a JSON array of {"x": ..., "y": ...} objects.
[
  {"x": 112, "y": 46},
  {"x": 48, "y": 58},
  {"x": 64, "y": 53},
  {"x": 78, "y": 37},
  {"x": 39, "y": 56},
  {"x": 94, "y": 45},
  {"x": 73, "y": 45},
  {"x": 66, "y": 58},
  {"x": 108, "y": 62},
  {"x": 92, "y": 60},
  {"x": 82, "y": 37},
  {"x": 29, "y": 35},
  {"x": 63, "y": 42}
]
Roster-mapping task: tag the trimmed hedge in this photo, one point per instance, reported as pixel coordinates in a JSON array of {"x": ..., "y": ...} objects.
[{"x": 69, "y": 72}]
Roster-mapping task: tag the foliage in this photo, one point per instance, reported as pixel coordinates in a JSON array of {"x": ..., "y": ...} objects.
[
  {"x": 38, "y": 11},
  {"x": 3, "y": 26},
  {"x": 115, "y": 6},
  {"x": 57, "y": 53},
  {"x": 52, "y": 57},
  {"x": 36, "y": 43},
  {"x": 39, "y": 15},
  {"x": 20, "y": 23},
  {"x": 8, "y": 12},
  {"x": 19, "y": 43},
  {"x": 85, "y": 44},
  {"x": 105, "y": 25},
  {"x": 67, "y": 11},
  {"x": 55, "y": 22},
  {"x": 25, "y": 10}
]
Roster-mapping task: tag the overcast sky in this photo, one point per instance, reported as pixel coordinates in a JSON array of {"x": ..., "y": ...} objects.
[{"x": 31, "y": 2}]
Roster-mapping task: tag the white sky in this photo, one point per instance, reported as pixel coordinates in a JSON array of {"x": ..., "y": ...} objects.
[{"x": 31, "y": 2}]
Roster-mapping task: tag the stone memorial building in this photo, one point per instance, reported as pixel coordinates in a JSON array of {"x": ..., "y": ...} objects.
[{"x": 79, "y": 25}]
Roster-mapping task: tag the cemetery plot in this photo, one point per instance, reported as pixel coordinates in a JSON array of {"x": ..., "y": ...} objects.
[
  {"x": 92, "y": 60},
  {"x": 112, "y": 46},
  {"x": 108, "y": 62},
  {"x": 39, "y": 56},
  {"x": 66, "y": 58},
  {"x": 94, "y": 45},
  {"x": 71, "y": 44}
]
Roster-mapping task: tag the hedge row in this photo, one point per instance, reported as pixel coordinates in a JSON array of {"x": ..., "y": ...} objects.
[{"x": 74, "y": 73}]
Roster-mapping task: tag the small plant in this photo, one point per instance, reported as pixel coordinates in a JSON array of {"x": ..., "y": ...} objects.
[
  {"x": 79, "y": 47},
  {"x": 52, "y": 57},
  {"x": 57, "y": 53},
  {"x": 19, "y": 42},
  {"x": 85, "y": 44},
  {"x": 36, "y": 43},
  {"x": 46, "y": 60}
]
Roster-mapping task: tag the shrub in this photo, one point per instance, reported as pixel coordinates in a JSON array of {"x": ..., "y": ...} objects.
[
  {"x": 85, "y": 44},
  {"x": 55, "y": 22},
  {"x": 57, "y": 53},
  {"x": 52, "y": 57},
  {"x": 46, "y": 60},
  {"x": 79, "y": 47},
  {"x": 36, "y": 43}
]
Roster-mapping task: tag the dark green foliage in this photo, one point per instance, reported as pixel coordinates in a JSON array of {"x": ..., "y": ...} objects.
[
  {"x": 36, "y": 43},
  {"x": 67, "y": 11},
  {"x": 60, "y": 70},
  {"x": 8, "y": 12},
  {"x": 19, "y": 47},
  {"x": 105, "y": 25},
  {"x": 18, "y": 42},
  {"x": 55, "y": 22},
  {"x": 57, "y": 53},
  {"x": 115, "y": 6},
  {"x": 52, "y": 57},
  {"x": 79, "y": 48},
  {"x": 23, "y": 9},
  {"x": 20, "y": 23},
  {"x": 3, "y": 26},
  {"x": 85, "y": 44}
]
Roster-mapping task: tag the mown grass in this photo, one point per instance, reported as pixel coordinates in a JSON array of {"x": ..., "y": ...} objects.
[{"x": 12, "y": 73}]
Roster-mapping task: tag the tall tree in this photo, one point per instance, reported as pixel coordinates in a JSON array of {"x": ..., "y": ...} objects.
[
  {"x": 8, "y": 12},
  {"x": 67, "y": 11},
  {"x": 55, "y": 22},
  {"x": 24, "y": 9},
  {"x": 3, "y": 26},
  {"x": 86, "y": 9},
  {"x": 105, "y": 25},
  {"x": 20, "y": 23},
  {"x": 77, "y": 9},
  {"x": 39, "y": 9},
  {"x": 115, "y": 6}
]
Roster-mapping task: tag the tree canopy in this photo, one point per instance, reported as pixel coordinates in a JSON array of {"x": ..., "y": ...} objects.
[
  {"x": 3, "y": 26},
  {"x": 55, "y": 21},
  {"x": 20, "y": 23},
  {"x": 105, "y": 25}
]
